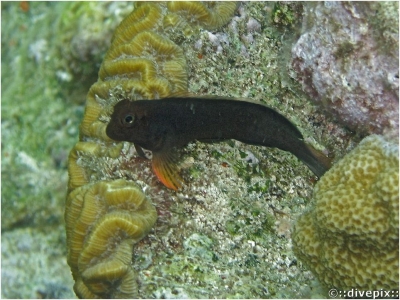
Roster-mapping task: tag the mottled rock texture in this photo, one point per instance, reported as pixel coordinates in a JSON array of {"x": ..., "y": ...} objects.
[{"x": 347, "y": 61}]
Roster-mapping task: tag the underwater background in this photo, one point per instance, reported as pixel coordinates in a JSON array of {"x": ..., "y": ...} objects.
[{"x": 228, "y": 235}]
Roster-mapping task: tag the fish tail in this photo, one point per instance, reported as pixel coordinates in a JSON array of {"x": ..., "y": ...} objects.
[
  {"x": 317, "y": 161},
  {"x": 166, "y": 169}
]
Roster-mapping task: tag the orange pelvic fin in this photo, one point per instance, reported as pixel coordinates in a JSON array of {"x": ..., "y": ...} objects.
[{"x": 166, "y": 169}]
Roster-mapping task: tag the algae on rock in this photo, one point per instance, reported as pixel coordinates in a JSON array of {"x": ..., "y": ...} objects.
[
  {"x": 39, "y": 117},
  {"x": 347, "y": 61}
]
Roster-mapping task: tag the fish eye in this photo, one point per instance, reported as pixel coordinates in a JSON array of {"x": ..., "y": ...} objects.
[{"x": 128, "y": 119}]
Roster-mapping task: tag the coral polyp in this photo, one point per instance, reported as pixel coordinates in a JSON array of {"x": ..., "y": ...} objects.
[{"x": 350, "y": 236}]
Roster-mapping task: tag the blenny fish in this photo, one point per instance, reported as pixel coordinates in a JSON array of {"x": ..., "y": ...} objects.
[{"x": 164, "y": 124}]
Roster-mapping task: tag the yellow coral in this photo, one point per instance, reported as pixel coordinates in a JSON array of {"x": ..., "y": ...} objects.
[
  {"x": 211, "y": 17},
  {"x": 350, "y": 237},
  {"x": 78, "y": 175},
  {"x": 143, "y": 18},
  {"x": 97, "y": 216},
  {"x": 104, "y": 219}
]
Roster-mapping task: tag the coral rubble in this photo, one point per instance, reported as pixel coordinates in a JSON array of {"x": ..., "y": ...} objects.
[
  {"x": 347, "y": 60},
  {"x": 350, "y": 237}
]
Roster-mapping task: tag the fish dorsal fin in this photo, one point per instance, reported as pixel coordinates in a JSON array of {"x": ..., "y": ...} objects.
[
  {"x": 212, "y": 97},
  {"x": 166, "y": 169}
]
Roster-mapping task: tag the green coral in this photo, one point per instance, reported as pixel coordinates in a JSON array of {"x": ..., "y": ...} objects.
[{"x": 350, "y": 237}]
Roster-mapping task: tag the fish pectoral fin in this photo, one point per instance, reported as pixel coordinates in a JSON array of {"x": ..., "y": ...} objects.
[
  {"x": 166, "y": 169},
  {"x": 140, "y": 151}
]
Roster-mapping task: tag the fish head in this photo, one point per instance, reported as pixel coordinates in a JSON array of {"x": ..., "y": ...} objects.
[{"x": 132, "y": 122}]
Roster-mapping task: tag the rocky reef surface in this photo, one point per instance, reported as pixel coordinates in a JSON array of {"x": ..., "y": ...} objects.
[
  {"x": 347, "y": 61},
  {"x": 228, "y": 233}
]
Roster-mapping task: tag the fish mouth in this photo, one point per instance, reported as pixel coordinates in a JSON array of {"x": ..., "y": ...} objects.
[{"x": 111, "y": 133}]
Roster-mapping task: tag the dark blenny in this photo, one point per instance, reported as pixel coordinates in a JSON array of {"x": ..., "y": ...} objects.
[{"x": 161, "y": 125}]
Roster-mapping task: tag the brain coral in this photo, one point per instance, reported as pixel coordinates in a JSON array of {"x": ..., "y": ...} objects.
[
  {"x": 350, "y": 237},
  {"x": 347, "y": 61},
  {"x": 105, "y": 218}
]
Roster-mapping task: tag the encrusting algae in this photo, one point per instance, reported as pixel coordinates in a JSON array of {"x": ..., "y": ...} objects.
[{"x": 104, "y": 219}]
